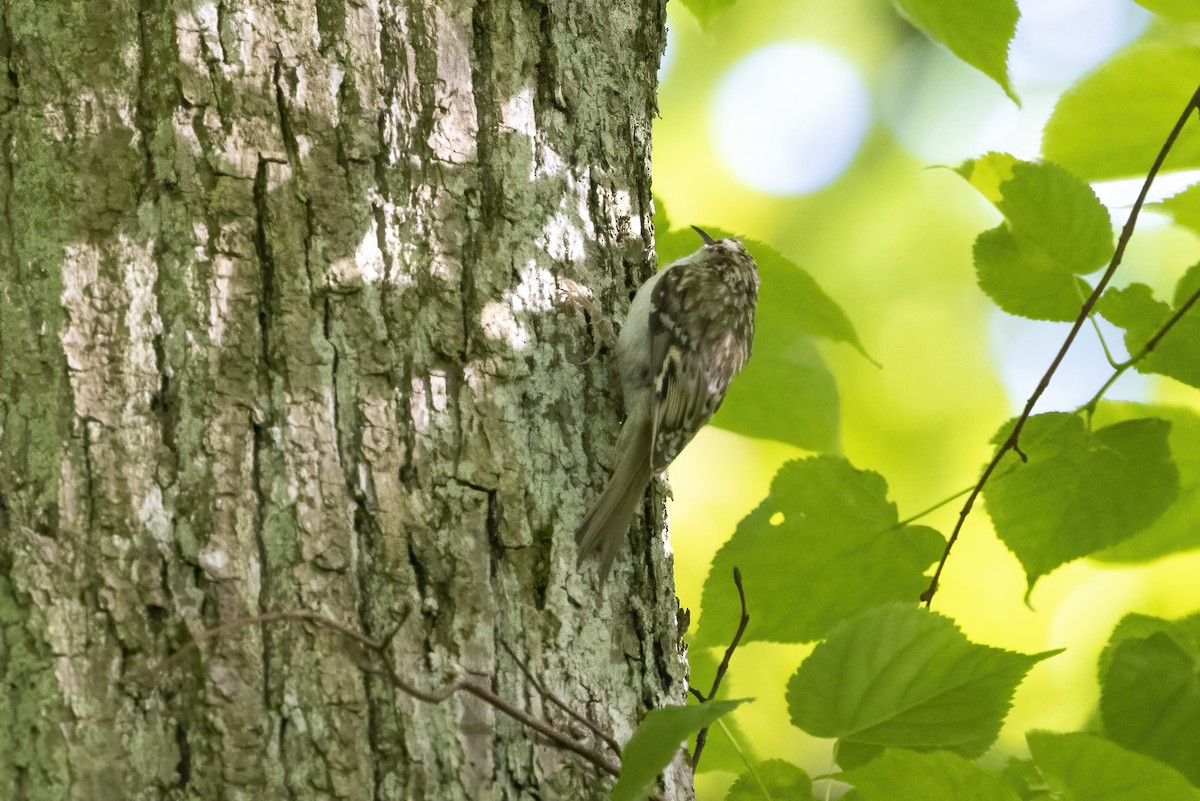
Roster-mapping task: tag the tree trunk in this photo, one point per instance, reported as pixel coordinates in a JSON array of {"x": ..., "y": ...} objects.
[{"x": 293, "y": 317}]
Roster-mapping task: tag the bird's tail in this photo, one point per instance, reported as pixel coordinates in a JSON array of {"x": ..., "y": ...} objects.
[{"x": 605, "y": 526}]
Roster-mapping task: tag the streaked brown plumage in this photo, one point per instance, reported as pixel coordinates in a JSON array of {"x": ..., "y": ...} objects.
[{"x": 688, "y": 333}]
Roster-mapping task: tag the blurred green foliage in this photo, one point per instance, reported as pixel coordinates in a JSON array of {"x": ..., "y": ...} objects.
[{"x": 1104, "y": 510}]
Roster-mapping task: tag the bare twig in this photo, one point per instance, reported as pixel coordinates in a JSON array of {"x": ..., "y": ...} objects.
[
  {"x": 380, "y": 651},
  {"x": 1147, "y": 349},
  {"x": 1012, "y": 442},
  {"x": 702, "y": 735},
  {"x": 600, "y": 734}
]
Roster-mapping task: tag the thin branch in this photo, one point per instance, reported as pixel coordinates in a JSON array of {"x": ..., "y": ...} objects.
[
  {"x": 563, "y": 741},
  {"x": 1012, "y": 442},
  {"x": 702, "y": 735},
  {"x": 379, "y": 649},
  {"x": 553, "y": 699},
  {"x": 1147, "y": 349}
]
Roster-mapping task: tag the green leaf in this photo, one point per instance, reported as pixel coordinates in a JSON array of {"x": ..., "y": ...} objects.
[
  {"x": 822, "y": 546},
  {"x": 786, "y": 393},
  {"x": 773, "y": 779},
  {"x": 1183, "y": 207},
  {"x": 1176, "y": 530},
  {"x": 1135, "y": 309},
  {"x": 1055, "y": 229},
  {"x": 1088, "y": 768},
  {"x": 1110, "y": 126},
  {"x": 900, "y": 775},
  {"x": 849, "y": 755},
  {"x": 1021, "y": 280},
  {"x": 1183, "y": 10},
  {"x": 988, "y": 173},
  {"x": 1150, "y": 700},
  {"x": 978, "y": 32},
  {"x": 658, "y": 738},
  {"x": 705, "y": 11},
  {"x": 1050, "y": 209},
  {"x": 789, "y": 292},
  {"x": 1023, "y": 777},
  {"x": 901, "y": 676},
  {"x": 1080, "y": 491},
  {"x": 1185, "y": 632}
]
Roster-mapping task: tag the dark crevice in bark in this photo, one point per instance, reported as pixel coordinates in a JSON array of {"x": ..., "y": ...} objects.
[
  {"x": 483, "y": 65},
  {"x": 494, "y": 514},
  {"x": 266, "y": 263},
  {"x": 6, "y": 52},
  {"x": 292, "y": 148},
  {"x": 143, "y": 115},
  {"x": 89, "y": 480},
  {"x": 343, "y": 439},
  {"x": 288, "y": 787},
  {"x": 661, "y": 665},
  {"x": 316, "y": 288},
  {"x": 221, "y": 28},
  {"x": 542, "y": 567},
  {"x": 183, "y": 769},
  {"x": 261, "y": 495},
  {"x": 216, "y": 77},
  {"x": 423, "y": 49},
  {"x": 285, "y": 121},
  {"x": 148, "y": 105},
  {"x": 160, "y": 401},
  {"x": 645, "y": 209},
  {"x": 549, "y": 93},
  {"x": 487, "y": 192},
  {"x": 418, "y": 570},
  {"x": 379, "y": 693},
  {"x": 10, "y": 101},
  {"x": 156, "y": 619}
]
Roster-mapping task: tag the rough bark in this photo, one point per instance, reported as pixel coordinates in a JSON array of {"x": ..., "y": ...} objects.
[{"x": 284, "y": 324}]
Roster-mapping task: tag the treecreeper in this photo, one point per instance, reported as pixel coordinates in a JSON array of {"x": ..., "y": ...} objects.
[{"x": 689, "y": 331}]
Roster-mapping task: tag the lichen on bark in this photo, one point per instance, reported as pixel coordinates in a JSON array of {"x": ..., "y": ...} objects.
[{"x": 283, "y": 326}]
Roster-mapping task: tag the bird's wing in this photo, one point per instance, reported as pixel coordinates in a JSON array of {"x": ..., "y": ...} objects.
[{"x": 684, "y": 398}]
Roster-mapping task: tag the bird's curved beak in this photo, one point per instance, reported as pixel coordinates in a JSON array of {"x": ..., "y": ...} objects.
[{"x": 708, "y": 240}]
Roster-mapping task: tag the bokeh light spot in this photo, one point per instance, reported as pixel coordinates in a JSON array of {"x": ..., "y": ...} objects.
[
  {"x": 1043, "y": 53},
  {"x": 789, "y": 118},
  {"x": 1023, "y": 349}
]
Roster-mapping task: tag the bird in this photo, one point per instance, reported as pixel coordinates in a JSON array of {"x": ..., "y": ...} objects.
[{"x": 689, "y": 331}]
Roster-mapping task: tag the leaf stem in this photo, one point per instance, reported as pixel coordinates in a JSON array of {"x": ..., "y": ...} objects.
[
  {"x": 749, "y": 767},
  {"x": 1099, "y": 334},
  {"x": 932, "y": 509}
]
